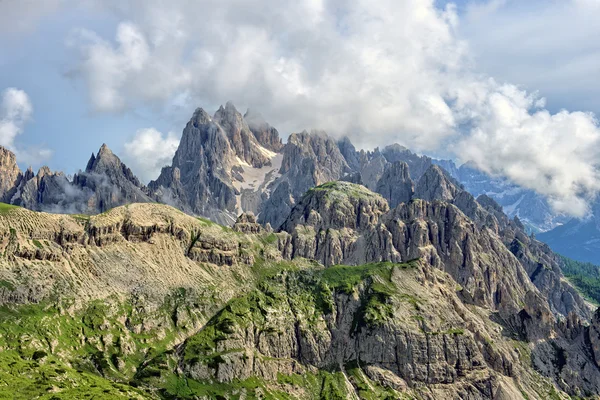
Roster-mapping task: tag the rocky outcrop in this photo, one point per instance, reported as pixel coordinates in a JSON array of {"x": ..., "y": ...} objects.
[
  {"x": 434, "y": 184},
  {"x": 328, "y": 222},
  {"x": 9, "y": 174},
  {"x": 395, "y": 184},
  {"x": 246, "y": 223}
]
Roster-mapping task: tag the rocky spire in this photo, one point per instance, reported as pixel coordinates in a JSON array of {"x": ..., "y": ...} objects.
[
  {"x": 107, "y": 163},
  {"x": 395, "y": 185},
  {"x": 9, "y": 173},
  {"x": 242, "y": 140},
  {"x": 436, "y": 185},
  {"x": 349, "y": 152},
  {"x": 109, "y": 182},
  {"x": 265, "y": 134},
  {"x": 199, "y": 180}
]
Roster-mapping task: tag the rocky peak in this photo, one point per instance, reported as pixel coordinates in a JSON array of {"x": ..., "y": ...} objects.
[
  {"x": 200, "y": 117},
  {"x": 337, "y": 205},
  {"x": 395, "y": 184},
  {"x": 417, "y": 164},
  {"x": 107, "y": 163},
  {"x": 198, "y": 180},
  {"x": 349, "y": 152},
  {"x": 265, "y": 134},
  {"x": 43, "y": 171},
  {"x": 436, "y": 185},
  {"x": 9, "y": 173},
  {"x": 240, "y": 136}
]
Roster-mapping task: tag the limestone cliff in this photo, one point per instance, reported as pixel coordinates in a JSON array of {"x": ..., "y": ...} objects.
[{"x": 147, "y": 302}]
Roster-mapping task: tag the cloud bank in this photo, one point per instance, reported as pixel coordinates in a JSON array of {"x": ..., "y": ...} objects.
[{"x": 379, "y": 73}]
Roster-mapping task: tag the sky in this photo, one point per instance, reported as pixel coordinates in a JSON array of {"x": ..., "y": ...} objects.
[{"x": 508, "y": 84}]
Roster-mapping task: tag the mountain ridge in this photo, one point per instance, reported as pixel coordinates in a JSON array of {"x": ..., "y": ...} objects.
[{"x": 287, "y": 319}]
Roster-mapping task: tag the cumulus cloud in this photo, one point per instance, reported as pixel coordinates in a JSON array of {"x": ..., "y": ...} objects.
[
  {"x": 397, "y": 71},
  {"x": 149, "y": 150},
  {"x": 15, "y": 111}
]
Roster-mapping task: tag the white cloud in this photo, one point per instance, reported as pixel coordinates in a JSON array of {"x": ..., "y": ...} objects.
[
  {"x": 15, "y": 111},
  {"x": 394, "y": 71},
  {"x": 148, "y": 151}
]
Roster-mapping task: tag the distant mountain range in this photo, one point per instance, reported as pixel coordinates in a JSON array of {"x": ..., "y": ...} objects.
[{"x": 229, "y": 163}]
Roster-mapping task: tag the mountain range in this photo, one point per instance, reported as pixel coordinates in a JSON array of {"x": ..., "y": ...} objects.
[
  {"x": 228, "y": 163},
  {"x": 251, "y": 268}
]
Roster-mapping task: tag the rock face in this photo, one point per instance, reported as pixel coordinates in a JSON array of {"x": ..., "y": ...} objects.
[
  {"x": 246, "y": 223},
  {"x": 427, "y": 302},
  {"x": 242, "y": 140},
  {"x": 434, "y": 184},
  {"x": 199, "y": 180},
  {"x": 394, "y": 351},
  {"x": 265, "y": 134},
  {"x": 309, "y": 159},
  {"x": 395, "y": 184},
  {"x": 9, "y": 174},
  {"x": 344, "y": 223}
]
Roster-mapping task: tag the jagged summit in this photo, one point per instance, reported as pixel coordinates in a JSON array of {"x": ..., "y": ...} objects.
[
  {"x": 435, "y": 184},
  {"x": 200, "y": 117},
  {"x": 9, "y": 173},
  {"x": 395, "y": 184}
]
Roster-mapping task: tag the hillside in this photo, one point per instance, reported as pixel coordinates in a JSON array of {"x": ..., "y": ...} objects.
[{"x": 144, "y": 301}]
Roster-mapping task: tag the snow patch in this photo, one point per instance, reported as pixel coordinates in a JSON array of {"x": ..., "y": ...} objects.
[{"x": 256, "y": 180}]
